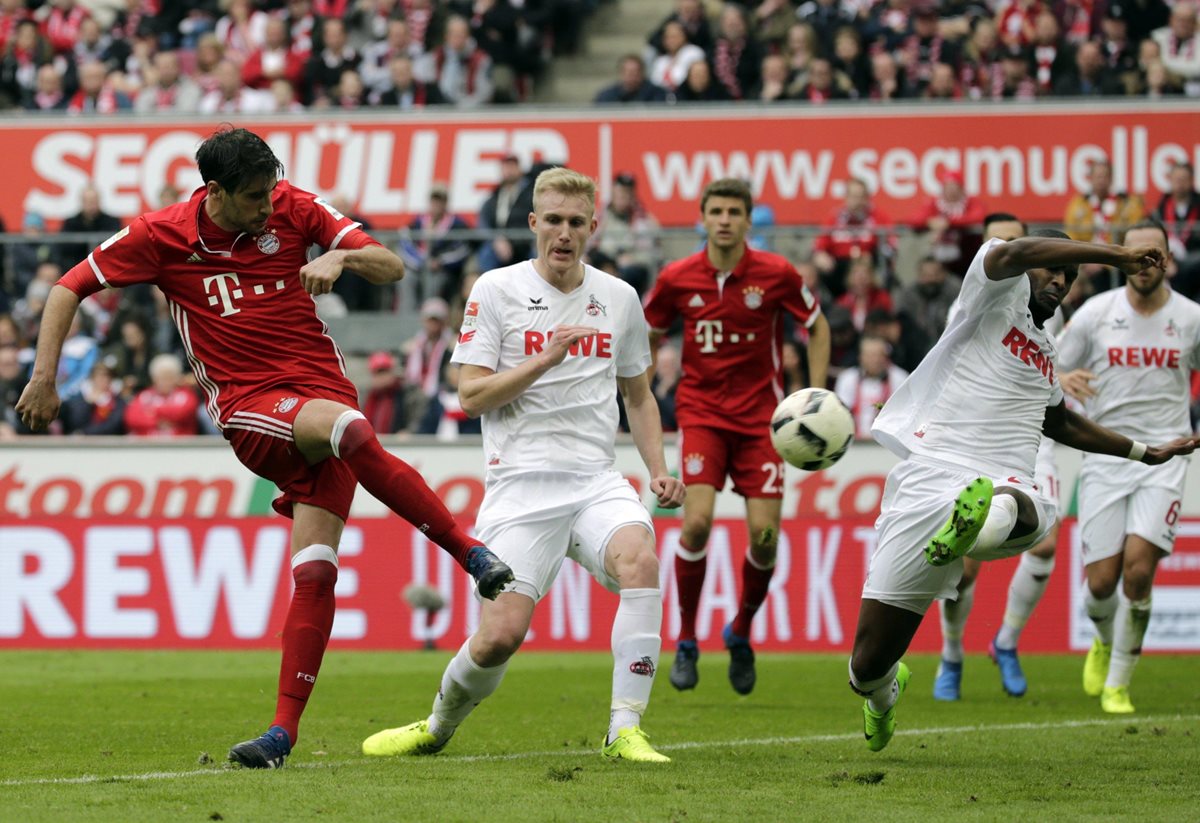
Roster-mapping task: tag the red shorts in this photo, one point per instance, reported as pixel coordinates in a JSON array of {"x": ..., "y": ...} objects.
[
  {"x": 708, "y": 456},
  {"x": 260, "y": 432}
]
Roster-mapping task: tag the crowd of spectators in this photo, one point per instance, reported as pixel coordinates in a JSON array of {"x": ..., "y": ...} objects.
[
  {"x": 250, "y": 56},
  {"x": 820, "y": 50}
]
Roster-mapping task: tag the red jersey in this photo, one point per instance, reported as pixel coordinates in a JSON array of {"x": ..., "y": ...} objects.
[
  {"x": 732, "y": 335},
  {"x": 246, "y": 322}
]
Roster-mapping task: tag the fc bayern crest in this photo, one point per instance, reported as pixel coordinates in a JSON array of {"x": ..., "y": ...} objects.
[
  {"x": 694, "y": 464},
  {"x": 286, "y": 404},
  {"x": 268, "y": 243},
  {"x": 753, "y": 297}
]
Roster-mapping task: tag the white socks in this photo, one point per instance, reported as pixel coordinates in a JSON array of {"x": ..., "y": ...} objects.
[
  {"x": 636, "y": 643},
  {"x": 464, "y": 686},
  {"x": 1132, "y": 617},
  {"x": 1102, "y": 613},
  {"x": 881, "y": 694},
  {"x": 1002, "y": 516},
  {"x": 1025, "y": 590},
  {"x": 954, "y": 622}
]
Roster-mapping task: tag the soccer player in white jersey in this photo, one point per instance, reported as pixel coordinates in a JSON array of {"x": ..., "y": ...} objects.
[
  {"x": 1032, "y": 574},
  {"x": 966, "y": 425},
  {"x": 1134, "y": 348},
  {"x": 544, "y": 347}
]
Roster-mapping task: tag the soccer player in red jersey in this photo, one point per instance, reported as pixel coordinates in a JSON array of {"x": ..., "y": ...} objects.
[
  {"x": 732, "y": 299},
  {"x": 227, "y": 260}
]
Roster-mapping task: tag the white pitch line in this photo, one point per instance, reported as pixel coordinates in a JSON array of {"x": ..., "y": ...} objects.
[{"x": 688, "y": 745}]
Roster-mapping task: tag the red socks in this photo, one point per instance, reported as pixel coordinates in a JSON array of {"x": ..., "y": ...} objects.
[
  {"x": 755, "y": 583},
  {"x": 690, "y": 567},
  {"x": 305, "y": 633},
  {"x": 395, "y": 484}
]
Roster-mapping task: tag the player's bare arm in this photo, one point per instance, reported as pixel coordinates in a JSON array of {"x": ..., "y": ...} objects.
[
  {"x": 818, "y": 352},
  {"x": 375, "y": 264},
  {"x": 1015, "y": 257},
  {"x": 646, "y": 427},
  {"x": 481, "y": 389},
  {"x": 1078, "y": 384},
  {"x": 1075, "y": 430},
  {"x": 39, "y": 401}
]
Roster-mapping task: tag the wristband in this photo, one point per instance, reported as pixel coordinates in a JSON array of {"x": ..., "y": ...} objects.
[{"x": 1137, "y": 451}]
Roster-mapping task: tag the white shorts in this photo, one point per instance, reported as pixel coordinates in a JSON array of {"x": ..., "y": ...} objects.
[
  {"x": 1045, "y": 474},
  {"x": 533, "y": 521},
  {"x": 1120, "y": 497},
  {"x": 918, "y": 498}
]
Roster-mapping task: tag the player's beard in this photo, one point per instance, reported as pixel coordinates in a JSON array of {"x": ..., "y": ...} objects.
[{"x": 1150, "y": 286}]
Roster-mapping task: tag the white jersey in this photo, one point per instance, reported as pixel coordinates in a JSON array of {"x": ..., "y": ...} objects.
[
  {"x": 567, "y": 420},
  {"x": 1142, "y": 363},
  {"x": 979, "y": 397}
]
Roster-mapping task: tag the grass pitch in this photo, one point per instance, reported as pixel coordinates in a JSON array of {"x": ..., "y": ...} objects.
[{"x": 143, "y": 736}]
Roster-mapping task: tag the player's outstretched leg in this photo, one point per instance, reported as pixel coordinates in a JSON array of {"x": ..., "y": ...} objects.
[
  {"x": 955, "y": 538},
  {"x": 465, "y": 684},
  {"x": 690, "y": 568},
  {"x": 879, "y": 707},
  {"x": 398, "y": 486}
]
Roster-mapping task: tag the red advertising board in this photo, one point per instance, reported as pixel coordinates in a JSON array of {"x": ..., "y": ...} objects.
[
  {"x": 157, "y": 583},
  {"x": 1025, "y": 159}
]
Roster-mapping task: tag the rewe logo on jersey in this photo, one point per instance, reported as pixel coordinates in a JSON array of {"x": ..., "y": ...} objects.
[
  {"x": 596, "y": 345},
  {"x": 1029, "y": 352},
  {"x": 1143, "y": 357}
]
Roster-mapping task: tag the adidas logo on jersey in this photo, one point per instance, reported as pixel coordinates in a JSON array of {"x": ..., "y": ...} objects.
[
  {"x": 696, "y": 302},
  {"x": 195, "y": 258}
]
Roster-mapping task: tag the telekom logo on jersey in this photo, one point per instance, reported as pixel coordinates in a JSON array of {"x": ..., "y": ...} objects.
[
  {"x": 598, "y": 345},
  {"x": 1028, "y": 352},
  {"x": 228, "y": 289}
]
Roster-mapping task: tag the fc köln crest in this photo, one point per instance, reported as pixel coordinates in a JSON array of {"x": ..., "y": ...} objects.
[
  {"x": 753, "y": 296},
  {"x": 268, "y": 243},
  {"x": 595, "y": 307}
]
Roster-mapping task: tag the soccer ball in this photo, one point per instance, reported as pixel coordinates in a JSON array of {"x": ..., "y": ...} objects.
[{"x": 811, "y": 429}]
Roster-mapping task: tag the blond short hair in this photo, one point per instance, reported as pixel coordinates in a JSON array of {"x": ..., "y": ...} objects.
[{"x": 567, "y": 182}]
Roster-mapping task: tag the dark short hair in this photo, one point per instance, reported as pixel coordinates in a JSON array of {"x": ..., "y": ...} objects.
[
  {"x": 1149, "y": 223},
  {"x": 728, "y": 187},
  {"x": 1051, "y": 233},
  {"x": 235, "y": 158},
  {"x": 1004, "y": 217}
]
